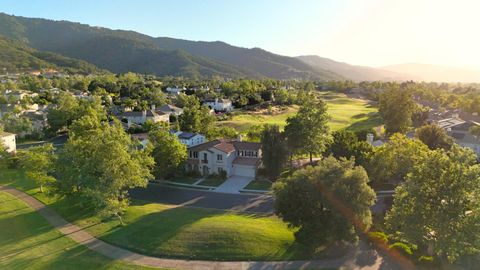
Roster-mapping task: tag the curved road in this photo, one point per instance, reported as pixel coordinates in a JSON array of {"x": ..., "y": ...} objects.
[{"x": 205, "y": 199}]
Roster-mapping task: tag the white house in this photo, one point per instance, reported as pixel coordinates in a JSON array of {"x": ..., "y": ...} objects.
[
  {"x": 190, "y": 139},
  {"x": 8, "y": 140},
  {"x": 142, "y": 139},
  {"x": 142, "y": 117},
  {"x": 232, "y": 156},
  {"x": 219, "y": 105},
  {"x": 175, "y": 90}
]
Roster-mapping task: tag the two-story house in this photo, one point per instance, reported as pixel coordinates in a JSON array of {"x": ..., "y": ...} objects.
[
  {"x": 232, "y": 156},
  {"x": 219, "y": 105},
  {"x": 142, "y": 117}
]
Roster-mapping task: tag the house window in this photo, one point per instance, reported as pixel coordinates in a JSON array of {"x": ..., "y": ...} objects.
[
  {"x": 219, "y": 158},
  {"x": 220, "y": 170},
  {"x": 195, "y": 154},
  {"x": 190, "y": 154}
]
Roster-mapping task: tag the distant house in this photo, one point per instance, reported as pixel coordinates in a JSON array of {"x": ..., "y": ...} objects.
[
  {"x": 461, "y": 133},
  {"x": 175, "y": 90},
  {"x": 142, "y": 138},
  {"x": 19, "y": 94},
  {"x": 170, "y": 110},
  {"x": 9, "y": 141},
  {"x": 190, "y": 139},
  {"x": 232, "y": 156},
  {"x": 38, "y": 119},
  {"x": 219, "y": 105},
  {"x": 142, "y": 117}
]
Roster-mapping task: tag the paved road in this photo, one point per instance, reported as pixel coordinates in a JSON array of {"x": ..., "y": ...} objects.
[
  {"x": 362, "y": 257},
  {"x": 200, "y": 198}
]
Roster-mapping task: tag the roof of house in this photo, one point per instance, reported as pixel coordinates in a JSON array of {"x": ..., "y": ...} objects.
[
  {"x": 220, "y": 100},
  {"x": 450, "y": 122},
  {"x": 169, "y": 108},
  {"x": 247, "y": 145},
  {"x": 187, "y": 135},
  {"x": 140, "y": 136},
  {"x": 247, "y": 161},
  {"x": 150, "y": 113},
  {"x": 226, "y": 146}
]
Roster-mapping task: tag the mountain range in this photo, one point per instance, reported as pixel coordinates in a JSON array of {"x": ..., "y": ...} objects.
[{"x": 38, "y": 43}]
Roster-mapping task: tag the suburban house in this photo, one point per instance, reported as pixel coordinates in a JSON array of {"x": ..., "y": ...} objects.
[
  {"x": 8, "y": 140},
  {"x": 189, "y": 139},
  {"x": 19, "y": 94},
  {"x": 219, "y": 105},
  {"x": 235, "y": 157},
  {"x": 175, "y": 90},
  {"x": 142, "y": 139},
  {"x": 459, "y": 129},
  {"x": 170, "y": 110},
  {"x": 142, "y": 117}
]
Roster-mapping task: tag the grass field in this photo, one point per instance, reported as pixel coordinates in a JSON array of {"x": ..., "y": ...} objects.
[
  {"x": 345, "y": 112},
  {"x": 27, "y": 241},
  {"x": 180, "y": 232}
]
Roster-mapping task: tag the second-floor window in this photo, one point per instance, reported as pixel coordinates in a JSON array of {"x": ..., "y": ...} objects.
[
  {"x": 195, "y": 154},
  {"x": 219, "y": 158},
  {"x": 205, "y": 156}
]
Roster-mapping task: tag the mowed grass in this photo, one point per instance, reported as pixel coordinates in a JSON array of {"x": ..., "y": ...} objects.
[
  {"x": 180, "y": 232},
  {"x": 28, "y": 241},
  {"x": 345, "y": 112}
]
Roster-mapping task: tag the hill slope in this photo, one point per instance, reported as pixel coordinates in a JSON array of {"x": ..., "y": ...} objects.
[
  {"x": 16, "y": 56},
  {"x": 121, "y": 51},
  {"x": 353, "y": 72}
]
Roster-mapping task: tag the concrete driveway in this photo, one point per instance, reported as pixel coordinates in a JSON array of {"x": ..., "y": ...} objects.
[{"x": 234, "y": 184}]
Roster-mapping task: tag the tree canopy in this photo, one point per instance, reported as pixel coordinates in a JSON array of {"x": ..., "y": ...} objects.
[{"x": 328, "y": 202}]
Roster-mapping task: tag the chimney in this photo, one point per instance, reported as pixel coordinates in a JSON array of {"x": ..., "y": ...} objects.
[
  {"x": 129, "y": 123},
  {"x": 153, "y": 107},
  {"x": 370, "y": 138},
  {"x": 144, "y": 115},
  {"x": 240, "y": 137}
]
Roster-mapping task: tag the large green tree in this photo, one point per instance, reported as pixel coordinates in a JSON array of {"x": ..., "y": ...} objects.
[
  {"x": 328, "y": 202},
  {"x": 396, "y": 106},
  {"x": 392, "y": 161},
  {"x": 307, "y": 132},
  {"x": 100, "y": 163},
  {"x": 168, "y": 152},
  {"x": 274, "y": 151},
  {"x": 39, "y": 164},
  {"x": 438, "y": 207},
  {"x": 346, "y": 144},
  {"x": 434, "y": 137}
]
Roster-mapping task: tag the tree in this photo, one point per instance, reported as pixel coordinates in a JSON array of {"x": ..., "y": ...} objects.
[
  {"x": 346, "y": 144},
  {"x": 307, "y": 131},
  {"x": 475, "y": 130},
  {"x": 434, "y": 137},
  {"x": 100, "y": 163},
  {"x": 64, "y": 113},
  {"x": 38, "y": 163},
  {"x": 438, "y": 208},
  {"x": 328, "y": 202},
  {"x": 16, "y": 124},
  {"x": 274, "y": 150},
  {"x": 168, "y": 152},
  {"x": 396, "y": 106},
  {"x": 392, "y": 161},
  {"x": 196, "y": 118}
]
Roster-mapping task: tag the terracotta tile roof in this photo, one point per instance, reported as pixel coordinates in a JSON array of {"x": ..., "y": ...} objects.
[
  {"x": 204, "y": 146},
  {"x": 225, "y": 146},
  {"x": 247, "y": 161},
  {"x": 247, "y": 145}
]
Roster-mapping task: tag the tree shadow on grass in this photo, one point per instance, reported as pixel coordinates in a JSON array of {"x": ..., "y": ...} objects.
[{"x": 373, "y": 120}]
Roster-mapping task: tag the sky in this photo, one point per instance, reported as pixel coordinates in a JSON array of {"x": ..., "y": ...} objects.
[{"x": 363, "y": 32}]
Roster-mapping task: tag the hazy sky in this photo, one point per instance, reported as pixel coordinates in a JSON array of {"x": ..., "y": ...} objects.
[{"x": 366, "y": 32}]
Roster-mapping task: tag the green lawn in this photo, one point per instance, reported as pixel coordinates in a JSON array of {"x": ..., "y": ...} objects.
[
  {"x": 212, "y": 182},
  {"x": 259, "y": 185},
  {"x": 345, "y": 112},
  {"x": 180, "y": 232},
  {"x": 184, "y": 180},
  {"x": 27, "y": 241}
]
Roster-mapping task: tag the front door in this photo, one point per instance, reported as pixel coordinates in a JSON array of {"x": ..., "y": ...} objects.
[{"x": 205, "y": 170}]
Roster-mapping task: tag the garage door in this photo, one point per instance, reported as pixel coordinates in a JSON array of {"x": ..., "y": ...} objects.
[{"x": 247, "y": 171}]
